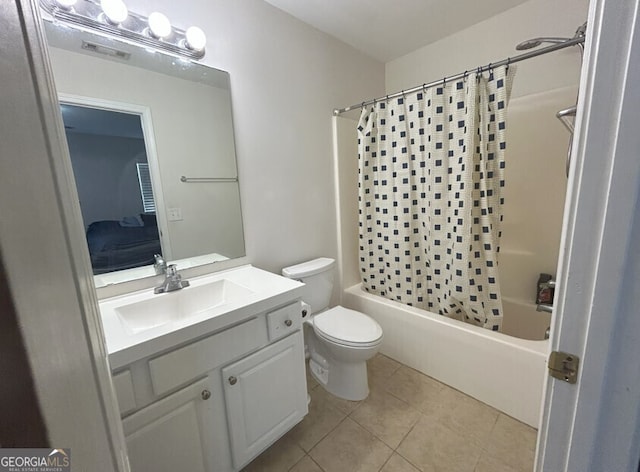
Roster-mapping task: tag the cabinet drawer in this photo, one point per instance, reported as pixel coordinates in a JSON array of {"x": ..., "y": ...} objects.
[
  {"x": 284, "y": 321},
  {"x": 123, "y": 385},
  {"x": 182, "y": 365}
]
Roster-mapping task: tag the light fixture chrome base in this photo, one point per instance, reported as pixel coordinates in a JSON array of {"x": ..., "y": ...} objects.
[{"x": 88, "y": 15}]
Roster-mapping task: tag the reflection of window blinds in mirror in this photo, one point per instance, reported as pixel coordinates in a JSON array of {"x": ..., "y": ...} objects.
[{"x": 144, "y": 177}]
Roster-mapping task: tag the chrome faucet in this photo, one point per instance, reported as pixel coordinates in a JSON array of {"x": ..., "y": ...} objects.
[
  {"x": 159, "y": 265},
  {"x": 172, "y": 282}
]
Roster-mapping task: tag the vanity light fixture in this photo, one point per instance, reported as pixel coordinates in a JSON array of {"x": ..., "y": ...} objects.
[
  {"x": 115, "y": 11},
  {"x": 160, "y": 26},
  {"x": 195, "y": 39},
  {"x": 112, "y": 17},
  {"x": 66, "y": 4}
]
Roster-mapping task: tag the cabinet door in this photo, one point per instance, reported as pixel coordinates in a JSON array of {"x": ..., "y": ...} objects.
[
  {"x": 266, "y": 396},
  {"x": 172, "y": 434}
]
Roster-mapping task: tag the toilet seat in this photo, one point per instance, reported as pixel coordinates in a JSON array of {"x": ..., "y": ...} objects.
[{"x": 347, "y": 327}]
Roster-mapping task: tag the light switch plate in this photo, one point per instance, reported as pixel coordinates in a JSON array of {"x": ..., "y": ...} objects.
[{"x": 174, "y": 214}]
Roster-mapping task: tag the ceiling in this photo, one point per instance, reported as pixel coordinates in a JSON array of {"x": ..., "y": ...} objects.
[{"x": 388, "y": 29}]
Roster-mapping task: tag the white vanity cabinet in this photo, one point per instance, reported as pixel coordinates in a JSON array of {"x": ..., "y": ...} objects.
[
  {"x": 214, "y": 403},
  {"x": 262, "y": 397},
  {"x": 173, "y": 433}
]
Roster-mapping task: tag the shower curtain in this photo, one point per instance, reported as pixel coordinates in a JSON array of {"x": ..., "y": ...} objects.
[{"x": 431, "y": 172}]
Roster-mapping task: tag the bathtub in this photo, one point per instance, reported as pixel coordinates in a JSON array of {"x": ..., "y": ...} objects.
[{"x": 499, "y": 370}]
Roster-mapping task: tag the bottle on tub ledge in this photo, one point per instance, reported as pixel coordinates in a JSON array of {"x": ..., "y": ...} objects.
[{"x": 545, "y": 292}]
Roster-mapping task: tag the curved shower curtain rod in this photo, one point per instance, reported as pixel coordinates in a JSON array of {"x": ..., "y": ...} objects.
[{"x": 511, "y": 60}]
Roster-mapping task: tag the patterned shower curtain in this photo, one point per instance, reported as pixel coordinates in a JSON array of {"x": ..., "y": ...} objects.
[{"x": 431, "y": 172}]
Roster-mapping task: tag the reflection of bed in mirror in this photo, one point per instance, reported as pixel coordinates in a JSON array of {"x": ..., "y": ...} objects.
[{"x": 118, "y": 245}]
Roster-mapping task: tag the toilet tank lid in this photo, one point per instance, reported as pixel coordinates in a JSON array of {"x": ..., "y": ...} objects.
[{"x": 309, "y": 268}]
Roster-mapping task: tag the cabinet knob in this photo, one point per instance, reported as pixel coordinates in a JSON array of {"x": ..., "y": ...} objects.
[
  {"x": 233, "y": 380},
  {"x": 288, "y": 322},
  {"x": 206, "y": 394}
]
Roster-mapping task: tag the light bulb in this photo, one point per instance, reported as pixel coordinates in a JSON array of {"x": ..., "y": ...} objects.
[
  {"x": 196, "y": 39},
  {"x": 66, "y": 4},
  {"x": 115, "y": 10},
  {"x": 159, "y": 25}
]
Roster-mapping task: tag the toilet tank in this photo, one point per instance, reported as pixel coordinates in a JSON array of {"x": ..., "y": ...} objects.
[{"x": 317, "y": 275}]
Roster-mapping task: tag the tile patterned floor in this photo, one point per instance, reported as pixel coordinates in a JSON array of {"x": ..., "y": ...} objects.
[{"x": 408, "y": 423}]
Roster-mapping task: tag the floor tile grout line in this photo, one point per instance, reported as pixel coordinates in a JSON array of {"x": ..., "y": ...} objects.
[
  {"x": 410, "y": 462},
  {"x": 319, "y": 466},
  {"x": 306, "y": 454},
  {"x": 475, "y": 466},
  {"x": 372, "y": 433},
  {"x": 381, "y": 439},
  {"x": 299, "y": 460},
  {"x": 324, "y": 437},
  {"x": 402, "y": 399},
  {"x": 408, "y": 432},
  {"x": 385, "y": 462},
  {"x": 493, "y": 427}
]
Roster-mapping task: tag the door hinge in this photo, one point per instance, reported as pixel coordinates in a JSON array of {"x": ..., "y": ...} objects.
[{"x": 564, "y": 366}]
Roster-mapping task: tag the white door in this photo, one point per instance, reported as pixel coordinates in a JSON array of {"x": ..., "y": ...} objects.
[
  {"x": 265, "y": 396},
  {"x": 174, "y": 433},
  {"x": 594, "y": 424}
]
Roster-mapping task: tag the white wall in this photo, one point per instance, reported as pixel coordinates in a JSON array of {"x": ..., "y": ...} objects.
[
  {"x": 536, "y": 141},
  {"x": 495, "y": 39},
  {"x": 286, "y": 78}
]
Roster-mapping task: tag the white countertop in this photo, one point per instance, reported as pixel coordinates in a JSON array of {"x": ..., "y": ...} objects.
[
  {"x": 120, "y": 276},
  {"x": 124, "y": 346}
]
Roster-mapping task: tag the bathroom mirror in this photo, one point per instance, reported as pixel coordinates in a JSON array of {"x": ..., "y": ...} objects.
[{"x": 152, "y": 147}]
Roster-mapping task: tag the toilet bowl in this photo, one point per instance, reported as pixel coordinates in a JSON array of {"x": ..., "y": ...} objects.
[{"x": 339, "y": 340}]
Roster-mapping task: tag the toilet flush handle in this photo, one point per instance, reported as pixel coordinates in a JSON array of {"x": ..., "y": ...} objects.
[
  {"x": 305, "y": 309},
  {"x": 288, "y": 322}
]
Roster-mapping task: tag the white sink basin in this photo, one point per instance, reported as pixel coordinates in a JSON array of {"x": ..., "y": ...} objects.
[
  {"x": 180, "y": 305},
  {"x": 142, "y": 323}
]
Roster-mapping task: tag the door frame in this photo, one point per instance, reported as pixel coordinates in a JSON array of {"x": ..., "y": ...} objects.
[
  {"x": 45, "y": 255},
  {"x": 593, "y": 425}
]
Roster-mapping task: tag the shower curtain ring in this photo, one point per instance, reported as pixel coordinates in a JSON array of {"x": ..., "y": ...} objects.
[{"x": 508, "y": 63}]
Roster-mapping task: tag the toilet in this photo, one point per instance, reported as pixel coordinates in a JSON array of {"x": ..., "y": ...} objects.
[{"x": 339, "y": 341}]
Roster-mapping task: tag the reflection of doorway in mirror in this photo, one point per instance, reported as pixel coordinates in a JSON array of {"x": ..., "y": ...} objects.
[{"x": 114, "y": 173}]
